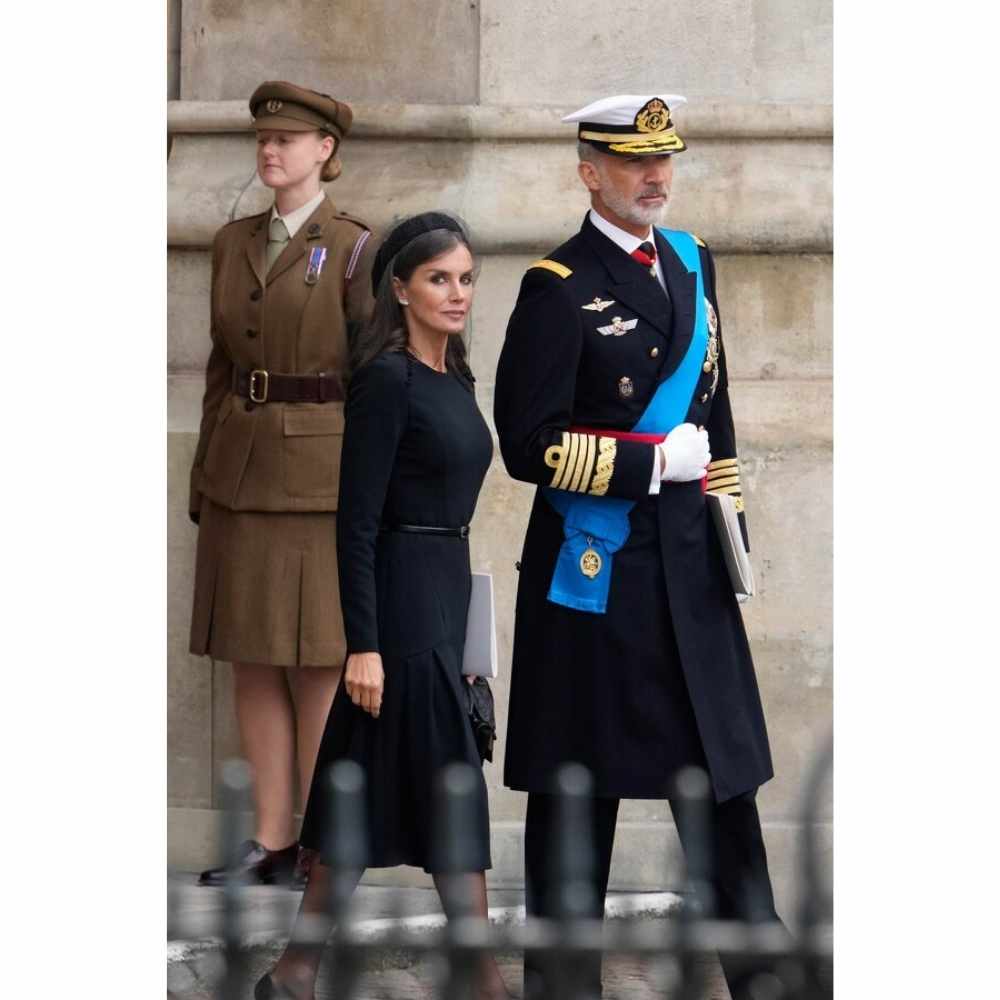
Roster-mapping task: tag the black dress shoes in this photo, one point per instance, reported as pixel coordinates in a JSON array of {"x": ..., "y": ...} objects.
[
  {"x": 303, "y": 866},
  {"x": 255, "y": 865},
  {"x": 268, "y": 989}
]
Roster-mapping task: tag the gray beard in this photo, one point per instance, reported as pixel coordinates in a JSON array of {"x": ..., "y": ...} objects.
[{"x": 629, "y": 210}]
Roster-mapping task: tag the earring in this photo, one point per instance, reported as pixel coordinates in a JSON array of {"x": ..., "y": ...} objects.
[{"x": 404, "y": 302}]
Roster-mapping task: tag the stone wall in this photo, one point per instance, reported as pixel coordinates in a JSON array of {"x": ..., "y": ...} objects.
[{"x": 457, "y": 107}]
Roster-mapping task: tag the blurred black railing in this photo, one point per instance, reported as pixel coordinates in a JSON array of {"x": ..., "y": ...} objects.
[{"x": 798, "y": 959}]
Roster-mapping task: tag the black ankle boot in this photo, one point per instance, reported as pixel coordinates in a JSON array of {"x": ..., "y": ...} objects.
[{"x": 268, "y": 989}]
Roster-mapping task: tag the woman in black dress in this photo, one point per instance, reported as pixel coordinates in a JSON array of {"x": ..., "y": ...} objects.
[{"x": 416, "y": 449}]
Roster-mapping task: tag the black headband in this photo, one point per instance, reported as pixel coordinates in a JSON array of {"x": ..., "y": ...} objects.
[{"x": 405, "y": 232}]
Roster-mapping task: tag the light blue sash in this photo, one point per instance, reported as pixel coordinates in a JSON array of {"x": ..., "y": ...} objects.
[{"x": 601, "y": 523}]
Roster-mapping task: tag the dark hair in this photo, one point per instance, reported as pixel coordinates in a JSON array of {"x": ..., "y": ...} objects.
[{"x": 386, "y": 331}]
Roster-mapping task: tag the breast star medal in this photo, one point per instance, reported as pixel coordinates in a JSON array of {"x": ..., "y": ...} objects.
[
  {"x": 712, "y": 354},
  {"x": 590, "y": 561},
  {"x": 713, "y": 320}
]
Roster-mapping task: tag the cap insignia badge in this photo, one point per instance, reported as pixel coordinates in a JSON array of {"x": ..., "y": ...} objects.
[
  {"x": 273, "y": 106},
  {"x": 653, "y": 116},
  {"x": 599, "y": 304}
]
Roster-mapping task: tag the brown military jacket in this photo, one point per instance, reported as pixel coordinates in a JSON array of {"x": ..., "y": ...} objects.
[{"x": 279, "y": 456}]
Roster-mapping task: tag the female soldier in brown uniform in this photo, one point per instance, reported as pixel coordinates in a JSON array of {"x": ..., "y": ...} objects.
[{"x": 287, "y": 285}]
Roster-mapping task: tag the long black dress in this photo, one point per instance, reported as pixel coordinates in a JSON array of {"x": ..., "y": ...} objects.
[{"x": 416, "y": 450}]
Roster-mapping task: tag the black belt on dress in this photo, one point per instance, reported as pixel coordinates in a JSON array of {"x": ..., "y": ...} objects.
[
  {"x": 260, "y": 386},
  {"x": 427, "y": 529}
]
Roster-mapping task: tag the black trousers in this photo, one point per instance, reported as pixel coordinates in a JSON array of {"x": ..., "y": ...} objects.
[{"x": 741, "y": 883}]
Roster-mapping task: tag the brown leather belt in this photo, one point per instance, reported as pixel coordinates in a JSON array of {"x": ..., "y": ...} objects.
[{"x": 260, "y": 386}]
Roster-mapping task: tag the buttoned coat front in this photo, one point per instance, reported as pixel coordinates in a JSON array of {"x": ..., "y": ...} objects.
[
  {"x": 664, "y": 678},
  {"x": 265, "y": 476},
  {"x": 279, "y": 456}
]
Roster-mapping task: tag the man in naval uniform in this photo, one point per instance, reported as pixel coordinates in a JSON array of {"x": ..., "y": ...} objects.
[{"x": 630, "y": 655}]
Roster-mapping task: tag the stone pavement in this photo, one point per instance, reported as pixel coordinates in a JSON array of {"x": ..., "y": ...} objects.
[
  {"x": 195, "y": 962},
  {"x": 625, "y": 978}
]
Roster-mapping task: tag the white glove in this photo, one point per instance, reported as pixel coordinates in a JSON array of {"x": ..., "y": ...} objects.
[{"x": 684, "y": 454}]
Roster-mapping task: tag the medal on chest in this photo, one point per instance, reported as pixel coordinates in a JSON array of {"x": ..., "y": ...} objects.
[
  {"x": 314, "y": 266},
  {"x": 712, "y": 354},
  {"x": 618, "y": 327},
  {"x": 590, "y": 561}
]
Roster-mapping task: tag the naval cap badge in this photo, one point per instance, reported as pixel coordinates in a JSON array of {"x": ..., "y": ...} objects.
[{"x": 653, "y": 116}]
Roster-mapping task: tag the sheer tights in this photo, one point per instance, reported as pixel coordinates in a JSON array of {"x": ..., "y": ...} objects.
[{"x": 296, "y": 970}]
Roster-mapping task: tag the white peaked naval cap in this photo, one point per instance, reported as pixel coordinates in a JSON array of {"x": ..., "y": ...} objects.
[{"x": 630, "y": 124}]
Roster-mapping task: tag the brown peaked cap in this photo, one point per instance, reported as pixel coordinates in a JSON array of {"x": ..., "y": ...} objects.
[{"x": 280, "y": 105}]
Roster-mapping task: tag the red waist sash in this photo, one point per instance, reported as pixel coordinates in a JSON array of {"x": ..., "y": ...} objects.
[{"x": 620, "y": 435}]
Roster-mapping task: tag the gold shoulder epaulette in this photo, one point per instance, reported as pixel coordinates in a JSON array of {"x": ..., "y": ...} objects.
[
  {"x": 552, "y": 265},
  {"x": 698, "y": 239}
]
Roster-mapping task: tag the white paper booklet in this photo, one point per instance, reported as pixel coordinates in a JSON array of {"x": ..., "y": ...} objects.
[
  {"x": 480, "y": 658},
  {"x": 727, "y": 523}
]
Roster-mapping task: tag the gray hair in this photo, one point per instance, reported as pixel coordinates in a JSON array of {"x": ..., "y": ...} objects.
[{"x": 588, "y": 153}]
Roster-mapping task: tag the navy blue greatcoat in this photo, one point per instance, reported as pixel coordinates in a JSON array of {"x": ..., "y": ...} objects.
[{"x": 664, "y": 678}]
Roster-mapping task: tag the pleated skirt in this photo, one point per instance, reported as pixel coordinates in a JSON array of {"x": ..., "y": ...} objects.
[
  {"x": 266, "y": 588},
  {"x": 423, "y": 726}
]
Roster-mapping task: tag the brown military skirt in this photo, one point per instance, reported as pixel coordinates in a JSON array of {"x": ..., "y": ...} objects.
[{"x": 266, "y": 589}]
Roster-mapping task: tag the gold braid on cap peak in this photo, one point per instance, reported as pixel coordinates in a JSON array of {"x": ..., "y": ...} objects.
[
  {"x": 662, "y": 142},
  {"x": 582, "y": 463}
]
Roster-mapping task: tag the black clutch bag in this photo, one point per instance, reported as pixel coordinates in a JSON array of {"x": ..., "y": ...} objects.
[{"x": 479, "y": 701}]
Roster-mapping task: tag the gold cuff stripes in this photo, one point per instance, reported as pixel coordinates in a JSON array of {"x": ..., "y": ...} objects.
[
  {"x": 583, "y": 463},
  {"x": 724, "y": 477}
]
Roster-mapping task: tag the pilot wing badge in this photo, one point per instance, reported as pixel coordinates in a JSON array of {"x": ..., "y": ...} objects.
[
  {"x": 599, "y": 304},
  {"x": 618, "y": 328}
]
